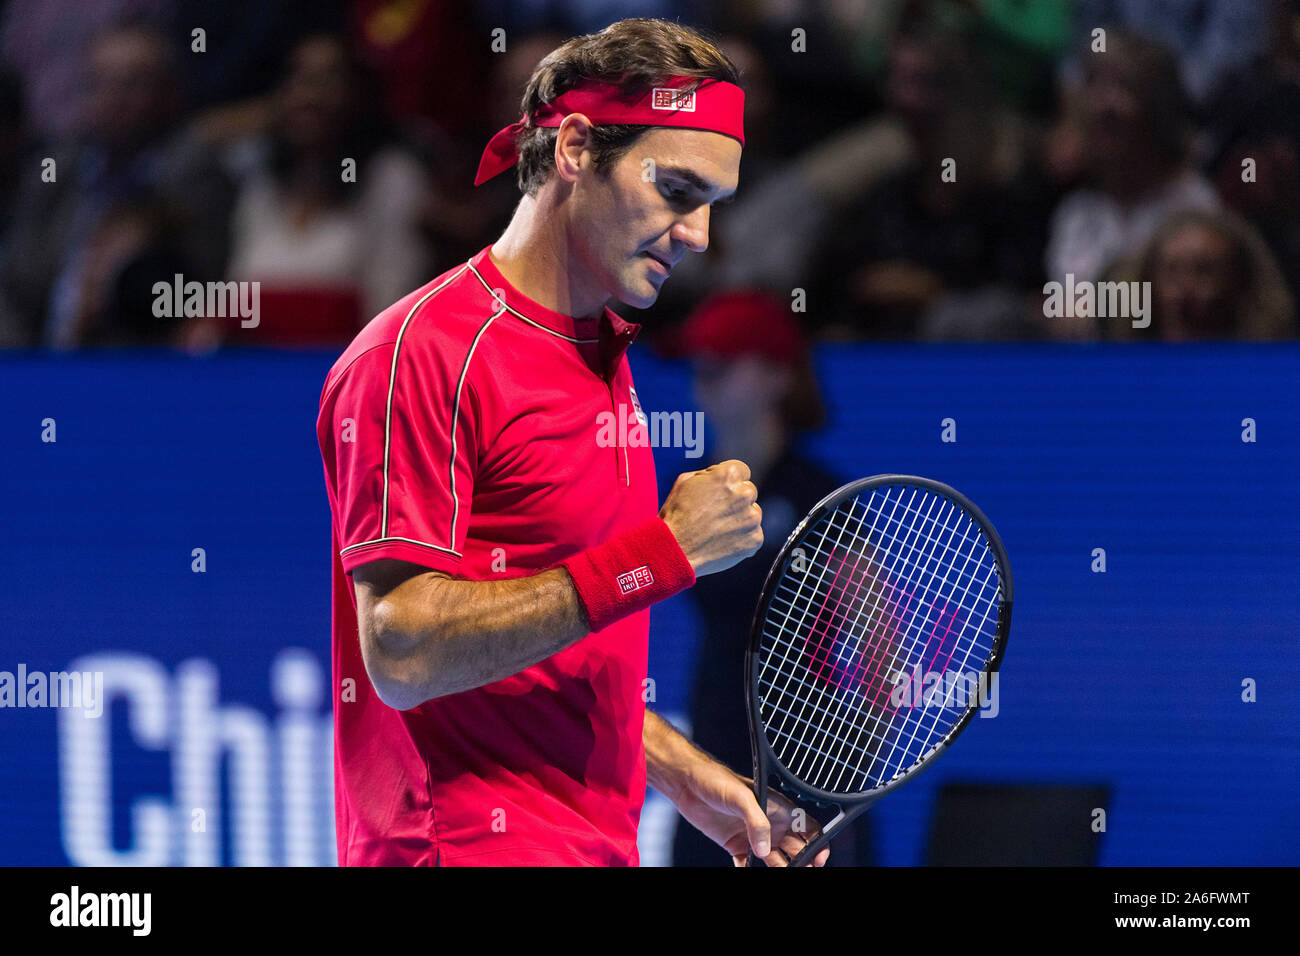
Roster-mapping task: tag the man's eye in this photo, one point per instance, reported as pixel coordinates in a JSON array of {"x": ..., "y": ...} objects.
[{"x": 675, "y": 193}]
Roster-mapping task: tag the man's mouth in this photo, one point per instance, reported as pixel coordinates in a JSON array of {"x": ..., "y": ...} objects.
[{"x": 654, "y": 258}]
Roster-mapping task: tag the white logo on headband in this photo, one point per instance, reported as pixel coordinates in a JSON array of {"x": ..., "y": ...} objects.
[{"x": 666, "y": 99}]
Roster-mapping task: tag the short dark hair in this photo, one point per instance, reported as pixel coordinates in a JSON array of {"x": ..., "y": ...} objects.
[{"x": 636, "y": 53}]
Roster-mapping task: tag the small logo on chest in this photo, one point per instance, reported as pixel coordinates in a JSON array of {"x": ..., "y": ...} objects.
[{"x": 636, "y": 407}]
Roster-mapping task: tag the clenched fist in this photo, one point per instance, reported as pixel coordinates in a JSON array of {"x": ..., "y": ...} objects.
[{"x": 715, "y": 516}]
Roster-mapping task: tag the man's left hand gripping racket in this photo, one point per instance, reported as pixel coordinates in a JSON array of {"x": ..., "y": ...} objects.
[{"x": 881, "y": 625}]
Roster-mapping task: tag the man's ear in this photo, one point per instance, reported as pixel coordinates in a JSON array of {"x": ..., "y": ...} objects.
[{"x": 572, "y": 140}]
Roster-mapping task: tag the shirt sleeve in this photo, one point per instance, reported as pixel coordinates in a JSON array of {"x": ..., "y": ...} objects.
[{"x": 398, "y": 440}]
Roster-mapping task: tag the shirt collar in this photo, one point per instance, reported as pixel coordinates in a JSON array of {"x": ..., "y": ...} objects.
[{"x": 611, "y": 331}]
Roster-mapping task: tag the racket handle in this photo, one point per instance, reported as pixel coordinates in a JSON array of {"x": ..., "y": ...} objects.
[{"x": 805, "y": 856}]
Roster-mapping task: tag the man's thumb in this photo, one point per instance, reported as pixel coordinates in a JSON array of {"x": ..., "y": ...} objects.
[{"x": 758, "y": 828}]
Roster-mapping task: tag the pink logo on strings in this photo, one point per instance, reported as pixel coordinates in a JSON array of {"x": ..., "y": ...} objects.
[{"x": 864, "y": 633}]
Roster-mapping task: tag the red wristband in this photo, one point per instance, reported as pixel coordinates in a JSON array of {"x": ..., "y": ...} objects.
[{"x": 629, "y": 572}]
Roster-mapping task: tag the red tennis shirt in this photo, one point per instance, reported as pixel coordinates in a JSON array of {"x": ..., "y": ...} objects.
[{"x": 462, "y": 430}]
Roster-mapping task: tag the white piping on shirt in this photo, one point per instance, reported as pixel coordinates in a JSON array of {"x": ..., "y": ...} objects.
[
  {"x": 388, "y": 433},
  {"x": 516, "y": 312},
  {"x": 392, "y": 385}
]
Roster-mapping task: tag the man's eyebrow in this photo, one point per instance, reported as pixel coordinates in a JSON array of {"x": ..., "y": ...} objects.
[{"x": 696, "y": 180}]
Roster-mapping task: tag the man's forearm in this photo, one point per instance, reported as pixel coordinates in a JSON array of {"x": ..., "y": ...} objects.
[
  {"x": 669, "y": 756},
  {"x": 426, "y": 635},
  {"x": 434, "y": 635}
]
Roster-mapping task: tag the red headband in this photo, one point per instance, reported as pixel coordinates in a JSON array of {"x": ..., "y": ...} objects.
[{"x": 715, "y": 105}]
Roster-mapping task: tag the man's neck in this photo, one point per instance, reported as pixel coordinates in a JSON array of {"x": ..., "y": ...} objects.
[{"x": 535, "y": 257}]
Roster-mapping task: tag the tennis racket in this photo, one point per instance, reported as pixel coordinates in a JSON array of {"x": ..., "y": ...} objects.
[{"x": 881, "y": 625}]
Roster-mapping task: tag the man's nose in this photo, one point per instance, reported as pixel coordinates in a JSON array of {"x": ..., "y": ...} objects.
[{"x": 693, "y": 229}]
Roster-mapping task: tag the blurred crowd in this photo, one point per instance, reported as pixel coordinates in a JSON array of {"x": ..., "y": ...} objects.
[{"x": 914, "y": 169}]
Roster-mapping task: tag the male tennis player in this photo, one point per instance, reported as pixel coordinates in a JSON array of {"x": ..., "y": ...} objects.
[{"x": 490, "y": 648}]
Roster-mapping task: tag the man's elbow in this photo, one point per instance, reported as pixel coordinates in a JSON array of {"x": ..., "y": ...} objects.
[
  {"x": 393, "y": 663},
  {"x": 397, "y": 693}
]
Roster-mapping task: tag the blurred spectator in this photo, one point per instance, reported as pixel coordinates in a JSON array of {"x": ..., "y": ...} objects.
[
  {"x": 1212, "y": 278},
  {"x": 1021, "y": 41},
  {"x": 13, "y": 146},
  {"x": 1025, "y": 39},
  {"x": 1254, "y": 129},
  {"x": 755, "y": 383},
  {"x": 1136, "y": 127},
  {"x": 952, "y": 221},
  {"x": 809, "y": 57},
  {"x": 839, "y": 195},
  {"x": 428, "y": 59},
  {"x": 802, "y": 164},
  {"x": 1210, "y": 37},
  {"x": 574, "y": 17},
  {"x": 47, "y": 42},
  {"x": 245, "y": 44},
  {"x": 231, "y": 81},
  {"x": 462, "y": 217},
  {"x": 328, "y": 248},
  {"x": 129, "y": 150},
  {"x": 13, "y": 143},
  {"x": 132, "y": 247}
]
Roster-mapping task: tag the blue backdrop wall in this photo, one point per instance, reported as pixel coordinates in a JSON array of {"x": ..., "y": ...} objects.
[{"x": 214, "y": 746}]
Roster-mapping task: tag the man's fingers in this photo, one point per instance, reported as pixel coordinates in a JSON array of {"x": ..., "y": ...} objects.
[
  {"x": 734, "y": 470},
  {"x": 757, "y": 828},
  {"x": 790, "y": 838},
  {"x": 792, "y": 845},
  {"x": 777, "y": 858}
]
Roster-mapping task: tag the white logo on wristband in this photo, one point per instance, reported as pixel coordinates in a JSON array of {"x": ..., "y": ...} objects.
[{"x": 635, "y": 580}]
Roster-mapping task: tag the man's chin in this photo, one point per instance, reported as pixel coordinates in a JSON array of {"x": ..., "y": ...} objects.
[{"x": 644, "y": 296}]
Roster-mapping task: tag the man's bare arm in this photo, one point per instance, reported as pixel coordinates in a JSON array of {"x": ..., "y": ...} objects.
[
  {"x": 720, "y": 803},
  {"x": 426, "y": 635},
  {"x": 669, "y": 756}
]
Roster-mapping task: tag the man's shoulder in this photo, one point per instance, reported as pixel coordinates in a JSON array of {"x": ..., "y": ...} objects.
[
  {"x": 437, "y": 321},
  {"x": 453, "y": 304}
]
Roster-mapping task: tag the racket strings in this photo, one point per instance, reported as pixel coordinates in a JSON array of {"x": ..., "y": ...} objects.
[
  {"x": 816, "y": 701},
  {"x": 935, "y": 632},
  {"x": 840, "y": 731},
  {"x": 786, "y": 596},
  {"x": 882, "y": 593},
  {"x": 854, "y": 742},
  {"x": 845, "y": 741},
  {"x": 945, "y": 618},
  {"x": 948, "y": 550}
]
